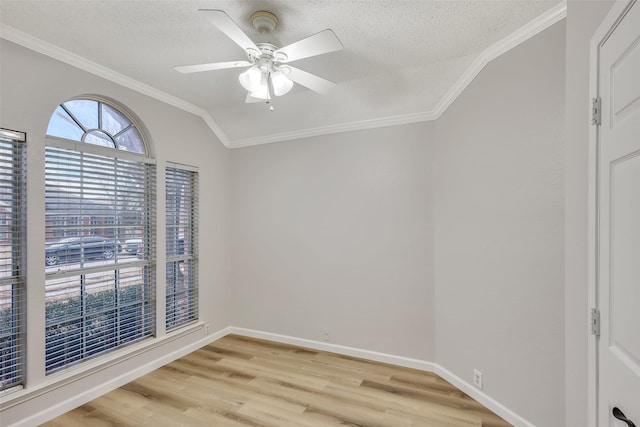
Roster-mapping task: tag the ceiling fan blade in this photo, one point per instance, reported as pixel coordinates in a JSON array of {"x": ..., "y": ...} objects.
[
  {"x": 211, "y": 66},
  {"x": 323, "y": 42},
  {"x": 225, "y": 24},
  {"x": 313, "y": 82}
]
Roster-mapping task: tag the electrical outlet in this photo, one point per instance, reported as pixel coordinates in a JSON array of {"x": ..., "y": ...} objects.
[
  {"x": 206, "y": 329},
  {"x": 477, "y": 378},
  {"x": 326, "y": 335}
]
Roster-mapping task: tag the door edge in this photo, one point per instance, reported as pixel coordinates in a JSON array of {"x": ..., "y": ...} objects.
[{"x": 617, "y": 12}]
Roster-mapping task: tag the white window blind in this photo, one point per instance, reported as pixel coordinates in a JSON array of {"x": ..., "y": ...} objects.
[
  {"x": 182, "y": 257},
  {"x": 99, "y": 296},
  {"x": 12, "y": 220}
]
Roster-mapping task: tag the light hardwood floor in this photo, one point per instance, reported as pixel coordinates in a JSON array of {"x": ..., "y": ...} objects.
[{"x": 239, "y": 382}]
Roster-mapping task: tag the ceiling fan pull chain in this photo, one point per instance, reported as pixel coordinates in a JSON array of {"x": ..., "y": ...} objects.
[{"x": 269, "y": 90}]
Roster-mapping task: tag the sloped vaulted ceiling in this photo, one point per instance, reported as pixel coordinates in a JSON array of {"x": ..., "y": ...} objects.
[{"x": 403, "y": 61}]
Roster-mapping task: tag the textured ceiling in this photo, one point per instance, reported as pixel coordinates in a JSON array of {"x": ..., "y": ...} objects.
[{"x": 400, "y": 58}]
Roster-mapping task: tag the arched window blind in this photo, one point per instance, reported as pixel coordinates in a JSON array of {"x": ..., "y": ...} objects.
[{"x": 100, "y": 202}]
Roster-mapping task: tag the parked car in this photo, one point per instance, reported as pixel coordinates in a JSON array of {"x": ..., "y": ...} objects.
[
  {"x": 179, "y": 248},
  {"x": 140, "y": 250},
  {"x": 74, "y": 248},
  {"x": 131, "y": 246}
]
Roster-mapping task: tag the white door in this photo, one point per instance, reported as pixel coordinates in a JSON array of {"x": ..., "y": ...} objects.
[{"x": 619, "y": 223}]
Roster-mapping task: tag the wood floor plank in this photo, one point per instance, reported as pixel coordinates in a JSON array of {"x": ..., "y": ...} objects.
[{"x": 245, "y": 382}]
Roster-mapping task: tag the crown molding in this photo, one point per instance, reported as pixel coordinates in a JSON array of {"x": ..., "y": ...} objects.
[
  {"x": 541, "y": 23},
  {"x": 33, "y": 43},
  {"x": 340, "y": 128},
  {"x": 524, "y": 33}
]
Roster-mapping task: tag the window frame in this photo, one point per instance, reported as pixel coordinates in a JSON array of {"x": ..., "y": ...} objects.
[
  {"x": 134, "y": 124},
  {"x": 12, "y": 369},
  {"x": 186, "y": 261},
  {"x": 147, "y": 265}
]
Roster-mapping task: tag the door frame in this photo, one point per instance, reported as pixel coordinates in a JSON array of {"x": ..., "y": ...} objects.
[{"x": 606, "y": 27}]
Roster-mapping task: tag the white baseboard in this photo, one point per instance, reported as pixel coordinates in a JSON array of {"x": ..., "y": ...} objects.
[
  {"x": 95, "y": 392},
  {"x": 492, "y": 404},
  {"x": 422, "y": 365},
  {"x": 339, "y": 349},
  {"x": 489, "y": 402}
]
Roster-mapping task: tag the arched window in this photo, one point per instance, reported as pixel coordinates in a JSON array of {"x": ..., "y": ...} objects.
[
  {"x": 96, "y": 122},
  {"x": 100, "y": 226}
]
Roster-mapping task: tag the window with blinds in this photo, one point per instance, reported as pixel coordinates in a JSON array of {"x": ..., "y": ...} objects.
[
  {"x": 182, "y": 247},
  {"x": 12, "y": 247},
  {"x": 99, "y": 291}
]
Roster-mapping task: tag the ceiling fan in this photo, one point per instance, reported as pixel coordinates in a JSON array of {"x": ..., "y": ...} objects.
[{"x": 269, "y": 72}]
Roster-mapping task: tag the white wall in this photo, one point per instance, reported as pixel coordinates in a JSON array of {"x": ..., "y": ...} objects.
[
  {"x": 436, "y": 241},
  {"x": 316, "y": 242},
  {"x": 32, "y": 86},
  {"x": 583, "y": 17},
  {"x": 499, "y": 230},
  {"x": 337, "y": 232}
]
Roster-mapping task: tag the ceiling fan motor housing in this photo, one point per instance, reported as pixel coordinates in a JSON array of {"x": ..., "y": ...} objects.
[{"x": 267, "y": 50}]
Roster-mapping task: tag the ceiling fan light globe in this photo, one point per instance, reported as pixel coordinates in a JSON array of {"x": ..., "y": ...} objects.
[
  {"x": 261, "y": 92},
  {"x": 281, "y": 84},
  {"x": 250, "y": 79}
]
